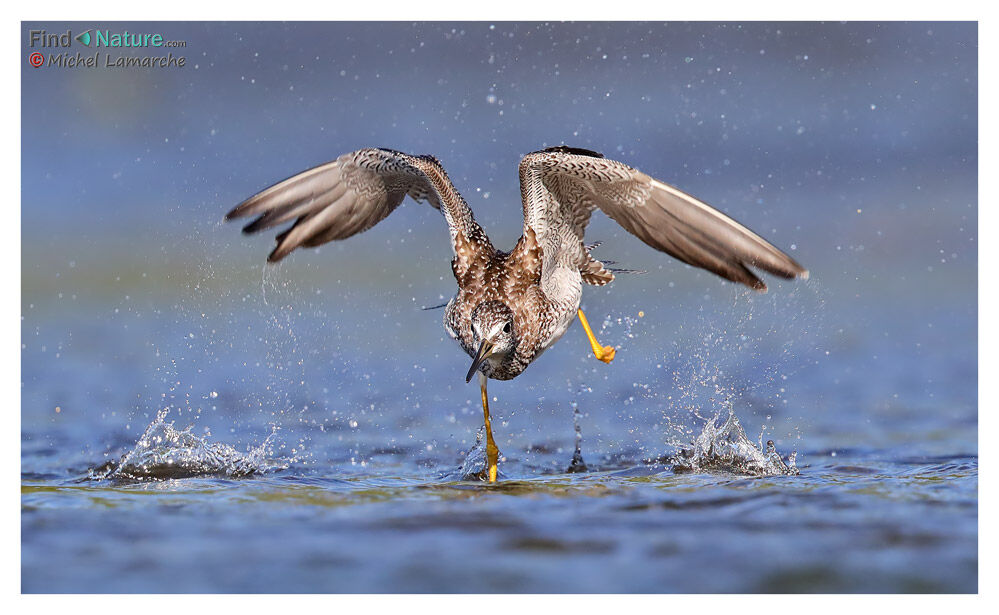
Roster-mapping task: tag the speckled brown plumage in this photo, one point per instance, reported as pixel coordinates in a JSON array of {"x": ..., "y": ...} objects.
[
  {"x": 525, "y": 299},
  {"x": 511, "y": 279}
]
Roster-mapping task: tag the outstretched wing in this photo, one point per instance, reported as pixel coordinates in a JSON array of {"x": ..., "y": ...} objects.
[
  {"x": 561, "y": 186},
  {"x": 350, "y": 195}
]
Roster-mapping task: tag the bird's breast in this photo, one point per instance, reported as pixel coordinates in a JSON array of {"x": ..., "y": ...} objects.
[{"x": 539, "y": 321}]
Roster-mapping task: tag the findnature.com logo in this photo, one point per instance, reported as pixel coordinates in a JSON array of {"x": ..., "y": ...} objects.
[{"x": 109, "y": 39}]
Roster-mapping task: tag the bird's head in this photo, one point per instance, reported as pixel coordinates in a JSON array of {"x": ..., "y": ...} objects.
[{"x": 493, "y": 331}]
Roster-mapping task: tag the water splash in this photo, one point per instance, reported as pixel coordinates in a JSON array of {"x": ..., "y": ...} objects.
[
  {"x": 723, "y": 445},
  {"x": 742, "y": 349},
  {"x": 164, "y": 451},
  {"x": 620, "y": 328},
  {"x": 474, "y": 467},
  {"x": 577, "y": 465}
]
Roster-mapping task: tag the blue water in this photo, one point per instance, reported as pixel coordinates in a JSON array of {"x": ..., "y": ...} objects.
[{"x": 852, "y": 146}]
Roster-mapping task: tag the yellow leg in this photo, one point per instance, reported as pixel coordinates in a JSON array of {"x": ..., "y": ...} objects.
[
  {"x": 492, "y": 452},
  {"x": 602, "y": 353}
]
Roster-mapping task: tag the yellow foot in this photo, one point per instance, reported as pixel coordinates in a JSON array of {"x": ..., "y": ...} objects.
[
  {"x": 602, "y": 353},
  {"x": 605, "y": 354}
]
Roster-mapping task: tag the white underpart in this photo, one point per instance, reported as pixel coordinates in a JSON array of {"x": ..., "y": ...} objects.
[{"x": 556, "y": 335}]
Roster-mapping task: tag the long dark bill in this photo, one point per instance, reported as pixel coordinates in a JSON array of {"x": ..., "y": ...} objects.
[{"x": 480, "y": 356}]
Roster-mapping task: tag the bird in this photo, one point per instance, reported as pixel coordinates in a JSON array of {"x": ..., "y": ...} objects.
[{"x": 512, "y": 306}]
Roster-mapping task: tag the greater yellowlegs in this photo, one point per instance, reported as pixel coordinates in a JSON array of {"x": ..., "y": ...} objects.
[{"x": 512, "y": 306}]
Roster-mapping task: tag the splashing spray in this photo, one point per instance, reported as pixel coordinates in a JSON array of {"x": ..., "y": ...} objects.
[{"x": 577, "y": 464}]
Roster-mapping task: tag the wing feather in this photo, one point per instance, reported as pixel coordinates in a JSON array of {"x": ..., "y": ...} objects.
[
  {"x": 349, "y": 195},
  {"x": 561, "y": 186},
  {"x": 295, "y": 208}
]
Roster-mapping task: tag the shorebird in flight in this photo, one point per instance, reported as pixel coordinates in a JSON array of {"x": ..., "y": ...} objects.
[{"x": 512, "y": 306}]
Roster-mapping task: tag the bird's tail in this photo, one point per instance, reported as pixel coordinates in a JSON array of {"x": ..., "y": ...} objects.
[{"x": 598, "y": 273}]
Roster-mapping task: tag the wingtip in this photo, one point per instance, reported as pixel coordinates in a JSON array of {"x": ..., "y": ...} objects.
[
  {"x": 276, "y": 255},
  {"x": 253, "y": 227},
  {"x": 804, "y": 274},
  {"x": 233, "y": 213}
]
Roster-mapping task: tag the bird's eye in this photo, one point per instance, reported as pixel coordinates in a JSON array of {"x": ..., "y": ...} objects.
[{"x": 506, "y": 328}]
